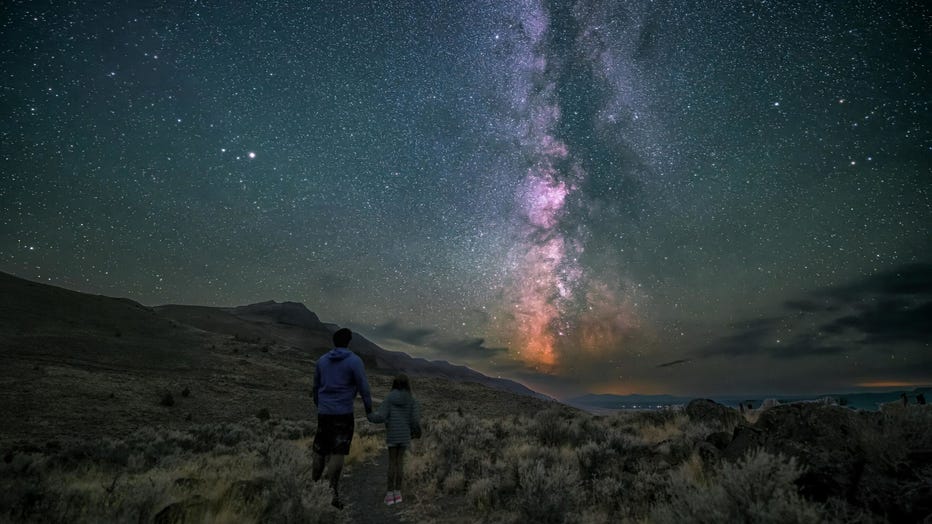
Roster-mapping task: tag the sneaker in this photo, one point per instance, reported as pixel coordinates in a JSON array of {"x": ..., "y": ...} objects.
[
  {"x": 336, "y": 503},
  {"x": 390, "y": 499},
  {"x": 397, "y": 497}
]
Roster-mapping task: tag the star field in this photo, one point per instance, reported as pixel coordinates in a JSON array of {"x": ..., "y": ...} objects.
[{"x": 570, "y": 194}]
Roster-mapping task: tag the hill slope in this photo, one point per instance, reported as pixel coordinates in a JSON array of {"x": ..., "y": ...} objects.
[{"x": 80, "y": 365}]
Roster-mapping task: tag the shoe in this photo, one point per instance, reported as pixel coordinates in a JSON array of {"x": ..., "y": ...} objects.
[
  {"x": 389, "y": 499},
  {"x": 397, "y": 497},
  {"x": 336, "y": 503}
]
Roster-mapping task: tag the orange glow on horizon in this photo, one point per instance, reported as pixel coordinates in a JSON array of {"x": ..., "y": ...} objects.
[
  {"x": 892, "y": 384},
  {"x": 630, "y": 388}
]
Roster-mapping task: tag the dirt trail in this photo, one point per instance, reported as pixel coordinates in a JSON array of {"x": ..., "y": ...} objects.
[{"x": 362, "y": 488}]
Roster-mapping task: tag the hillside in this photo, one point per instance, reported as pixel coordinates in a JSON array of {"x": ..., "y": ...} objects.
[{"x": 80, "y": 365}]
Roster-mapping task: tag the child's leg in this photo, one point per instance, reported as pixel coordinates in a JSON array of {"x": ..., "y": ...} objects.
[
  {"x": 400, "y": 468},
  {"x": 394, "y": 472},
  {"x": 391, "y": 468}
]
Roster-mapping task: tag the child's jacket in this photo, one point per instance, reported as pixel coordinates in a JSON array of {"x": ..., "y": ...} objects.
[{"x": 401, "y": 415}]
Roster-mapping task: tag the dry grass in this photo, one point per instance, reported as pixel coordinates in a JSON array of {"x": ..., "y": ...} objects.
[
  {"x": 668, "y": 430},
  {"x": 629, "y": 467},
  {"x": 230, "y": 473},
  {"x": 552, "y": 466}
]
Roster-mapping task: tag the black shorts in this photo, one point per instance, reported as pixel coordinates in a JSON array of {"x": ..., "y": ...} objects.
[{"x": 334, "y": 434}]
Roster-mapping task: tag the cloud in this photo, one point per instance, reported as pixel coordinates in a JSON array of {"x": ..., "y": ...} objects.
[
  {"x": 904, "y": 281},
  {"x": 468, "y": 348},
  {"x": 427, "y": 338},
  {"x": 393, "y": 330},
  {"x": 674, "y": 362},
  {"x": 875, "y": 312},
  {"x": 888, "y": 322}
]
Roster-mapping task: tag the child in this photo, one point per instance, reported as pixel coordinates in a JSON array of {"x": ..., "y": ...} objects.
[{"x": 402, "y": 417}]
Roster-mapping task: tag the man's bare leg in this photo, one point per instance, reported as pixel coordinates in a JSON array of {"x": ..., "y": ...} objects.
[
  {"x": 317, "y": 466},
  {"x": 334, "y": 470}
]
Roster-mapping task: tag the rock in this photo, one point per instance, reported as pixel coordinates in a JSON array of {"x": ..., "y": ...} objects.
[
  {"x": 719, "y": 440},
  {"x": 843, "y": 455},
  {"x": 248, "y": 495},
  {"x": 707, "y": 452},
  {"x": 712, "y": 413},
  {"x": 193, "y": 509}
]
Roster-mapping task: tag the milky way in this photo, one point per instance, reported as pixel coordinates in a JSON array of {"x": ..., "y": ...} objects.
[{"x": 571, "y": 194}]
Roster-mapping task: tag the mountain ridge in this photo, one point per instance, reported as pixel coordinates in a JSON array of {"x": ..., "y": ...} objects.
[{"x": 287, "y": 323}]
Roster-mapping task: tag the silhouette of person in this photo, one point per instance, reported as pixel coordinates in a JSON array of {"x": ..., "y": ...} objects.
[
  {"x": 401, "y": 415},
  {"x": 338, "y": 377},
  {"x": 904, "y": 398},
  {"x": 921, "y": 399}
]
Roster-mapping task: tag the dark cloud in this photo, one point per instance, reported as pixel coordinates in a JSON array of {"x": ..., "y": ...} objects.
[
  {"x": 747, "y": 337},
  {"x": 674, "y": 363},
  {"x": 888, "y": 322},
  {"x": 805, "y": 346},
  {"x": 808, "y": 305},
  {"x": 884, "y": 309},
  {"x": 909, "y": 280},
  {"x": 466, "y": 348},
  {"x": 449, "y": 348},
  {"x": 394, "y": 330}
]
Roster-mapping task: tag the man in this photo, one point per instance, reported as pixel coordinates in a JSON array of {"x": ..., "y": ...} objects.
[{"x": 339, "y": 375}]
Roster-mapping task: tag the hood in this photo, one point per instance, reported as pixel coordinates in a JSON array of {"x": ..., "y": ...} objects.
[
  {"x": 339, "y": 353},
  {"x": 397, "y": 397}
]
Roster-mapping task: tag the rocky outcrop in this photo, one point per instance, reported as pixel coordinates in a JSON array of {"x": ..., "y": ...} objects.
[
  {"x": 712, "y": 413},
  {"x": 850, "y": 455}
]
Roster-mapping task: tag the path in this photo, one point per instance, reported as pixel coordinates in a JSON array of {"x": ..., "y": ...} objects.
[{"x": 363, "y": 490}]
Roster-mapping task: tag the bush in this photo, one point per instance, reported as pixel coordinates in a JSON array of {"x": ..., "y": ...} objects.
[
  {"x": 546, "y": 494},
  {"x": 167, "y": 400},
  {"x": 759, "y": 488},
  {"x": 553, "y": 429}
]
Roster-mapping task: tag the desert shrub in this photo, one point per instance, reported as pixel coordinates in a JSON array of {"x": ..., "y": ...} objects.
[
  {"x": 620, "y": 440},
  {"x": 594, "y": 459},
  {"x": 696, "y": 432},
  {"x": 552, "y": 428},
  {"x": 364, "y": 447},
  {"x": 454, "y": 482},
  {"x": 759, "y": 488},
  {"x": 909, "y": 426},
  {"x": 209, "y": 436},
  {"x": 291, "y": 494},
  {"x": 421, "y": 471},
  {"x": 167, "y": 400},
  {"x": 654, "y": 430},
  {"x": 217, "y": 472},
  {"x": 482, "y": 493},
  {"x": 295, "y": 429},
  {"x": 546, "y": 494}
]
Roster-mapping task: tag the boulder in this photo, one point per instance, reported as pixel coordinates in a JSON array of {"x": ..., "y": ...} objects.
[
  {"x": 720, "y": 440},
  {"x": 712, "y": 413},
  {"x": 193, "y": 509},
  {"x": 843, "y": 454}
]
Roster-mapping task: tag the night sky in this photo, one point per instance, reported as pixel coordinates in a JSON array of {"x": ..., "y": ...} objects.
[{"x": 690, "y": 197}]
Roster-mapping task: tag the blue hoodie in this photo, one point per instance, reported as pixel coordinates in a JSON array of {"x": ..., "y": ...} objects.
[{"x": 338, "y": 377}]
